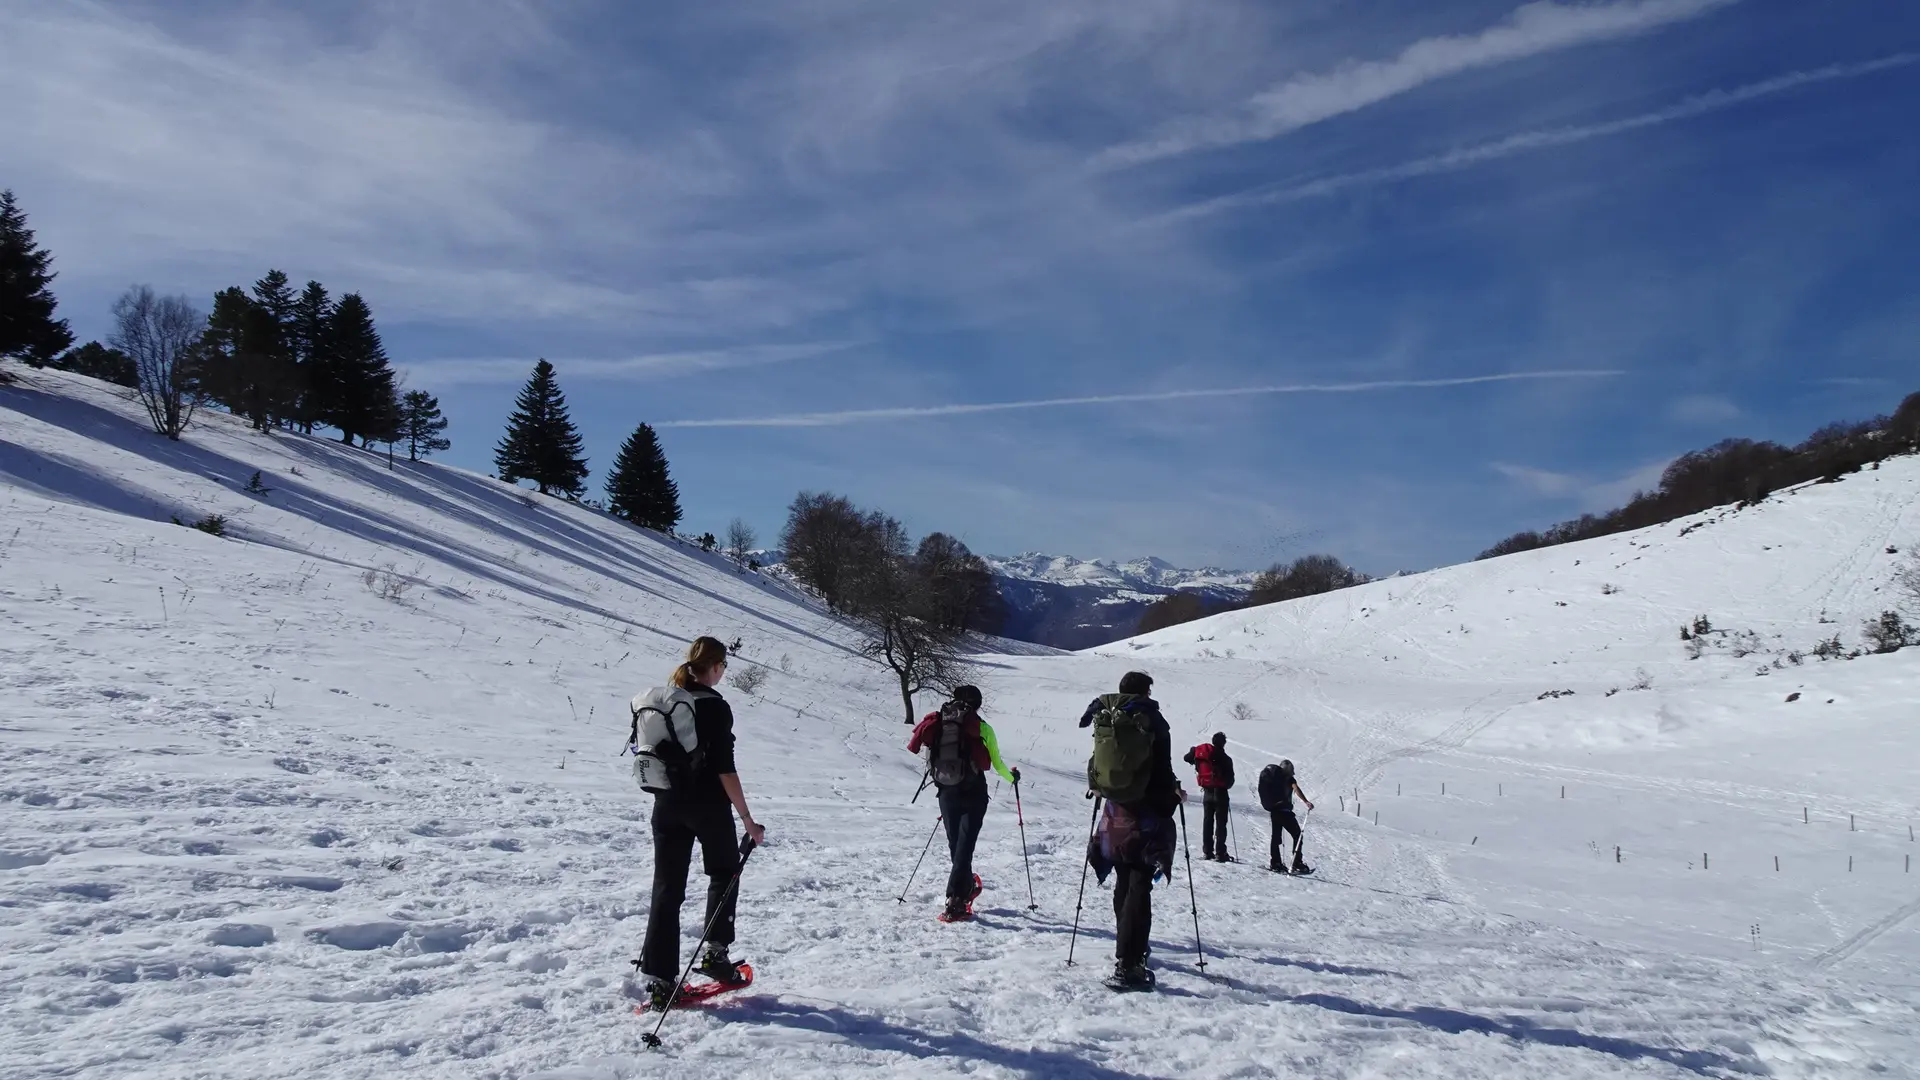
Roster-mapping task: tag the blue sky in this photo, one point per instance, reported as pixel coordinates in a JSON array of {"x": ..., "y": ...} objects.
[{"x": 1390, "y": 280}]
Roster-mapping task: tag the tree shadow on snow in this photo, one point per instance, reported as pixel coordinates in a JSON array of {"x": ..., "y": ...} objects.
[
  {"x": 1521, "y": 1029},
  {"x": 1325, "y": 969},
  {"x": 875, "y": 1033}
]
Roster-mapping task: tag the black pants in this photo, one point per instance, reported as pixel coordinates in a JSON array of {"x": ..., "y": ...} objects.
[
  {"x": 1213, "y": 822},
  {"x": 675, "y": 828},
  {"x": 1284, "y": 821},
  {"x": 963, "y": 807},
  {"x": 1132, "y": 912}
]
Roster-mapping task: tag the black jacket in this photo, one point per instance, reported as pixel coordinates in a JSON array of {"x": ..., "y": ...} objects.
[
  {"x": 713, "y": 730},
  {"x": 1163, "y": 786}
]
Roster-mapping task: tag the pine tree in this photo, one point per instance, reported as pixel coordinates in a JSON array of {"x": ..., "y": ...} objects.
[
  {"x": 243, "y": 360},
  {"x": 639, "y": 487},
  {"x": 221, "y": 348},
  {"x": 312, "y": 354},
  {"x": 280, "y": 378},
  {"x": 362, "y": 380},
  {"x": 28, "y": 329},
  {"x": 421, "y": 425},
  {"x": 541, "y": 443}
]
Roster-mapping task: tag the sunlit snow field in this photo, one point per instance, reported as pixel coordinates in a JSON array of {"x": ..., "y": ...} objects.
[{"x": 339, "y": 795}]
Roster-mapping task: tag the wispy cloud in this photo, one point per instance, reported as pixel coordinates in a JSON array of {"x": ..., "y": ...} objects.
[
  {"x": 857, "y": 416},
  {"x": 493, "y": 370},
  {"x": 1543, "y": 482},
  {"x": 1704, "y": 410},
  {"x": 1530, "y": 30},
  {"x": 1544, "y": 139},
  {"x": 1587, "y": 493}
]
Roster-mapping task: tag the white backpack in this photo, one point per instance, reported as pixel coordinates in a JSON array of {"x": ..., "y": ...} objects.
[{"x": 665, "y": 741}]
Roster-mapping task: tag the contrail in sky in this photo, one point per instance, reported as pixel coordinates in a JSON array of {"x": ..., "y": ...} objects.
[
  {"x": 909, "y": 412},
  {"x": 1524, "y": 142}
]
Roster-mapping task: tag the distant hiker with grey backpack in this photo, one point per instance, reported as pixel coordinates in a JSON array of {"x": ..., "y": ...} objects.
[
  {"x": 960, "y": 748},
  {"x": 682, "y": 742},
  {"x": 1136, "y": 795},
  {"x": 1277, "y": 789}
]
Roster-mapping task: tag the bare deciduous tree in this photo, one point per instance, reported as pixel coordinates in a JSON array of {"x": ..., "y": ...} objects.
[
  {"x": 160, "y": 333},
  {"x": 740, "y": 541}
]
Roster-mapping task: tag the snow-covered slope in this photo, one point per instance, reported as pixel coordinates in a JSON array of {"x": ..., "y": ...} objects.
[{"x": 340, "y": 795}]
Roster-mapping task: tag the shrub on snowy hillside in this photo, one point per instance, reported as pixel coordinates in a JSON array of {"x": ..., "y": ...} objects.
[{"x": 1889, "y": 633}]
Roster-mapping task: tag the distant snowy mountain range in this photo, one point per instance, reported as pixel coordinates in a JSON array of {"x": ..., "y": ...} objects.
[
  {"x": 1071, "y": 603},
  {"x": 1068, "y": 603},
  {"x": 1148, "y": 576}
]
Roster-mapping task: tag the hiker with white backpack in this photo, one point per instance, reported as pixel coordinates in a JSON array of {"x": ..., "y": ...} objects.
[{"x": 683, "y": 745}]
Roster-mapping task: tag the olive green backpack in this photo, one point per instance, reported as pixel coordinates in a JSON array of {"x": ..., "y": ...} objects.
[{"x": 1122, "y": 761}]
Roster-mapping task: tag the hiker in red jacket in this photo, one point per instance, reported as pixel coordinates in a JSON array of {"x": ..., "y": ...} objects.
[{"x": 1216, "y": 777}]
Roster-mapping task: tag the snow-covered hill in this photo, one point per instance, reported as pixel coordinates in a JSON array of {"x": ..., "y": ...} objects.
[{"x": 340, "y": 795}]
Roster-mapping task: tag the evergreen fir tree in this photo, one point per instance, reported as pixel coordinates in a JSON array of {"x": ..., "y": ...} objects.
[
  {"x": 280, "y": 377},
  {"x": 311, "y": 343},
  {"x": 421, "y": 425},
  {"x": 541, "y": 443},
  {"x": 639, "y": 487},
  {"x": 28, "y": 329},
  {"x": 362, "y": 382},
  {"x": 243, "y": 360},
  {"x": 221, "y": 346}
]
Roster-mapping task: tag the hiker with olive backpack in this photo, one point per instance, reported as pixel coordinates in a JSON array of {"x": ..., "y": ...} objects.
[
  {"x": 1132, "y": 771},
  {"x": 960, "y": 748}
]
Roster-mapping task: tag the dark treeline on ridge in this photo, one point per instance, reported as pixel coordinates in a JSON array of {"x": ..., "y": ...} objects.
[{"x": 1739, "y": 471}]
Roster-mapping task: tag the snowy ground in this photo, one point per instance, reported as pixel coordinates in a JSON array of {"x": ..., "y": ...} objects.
[{"x": 269, "y": 814}]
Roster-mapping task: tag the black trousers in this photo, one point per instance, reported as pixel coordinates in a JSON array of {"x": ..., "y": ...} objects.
[
  {"x": 1284, "y": 821},
  {"x": 1132, "y": 912},
  {"x": 963, "y": 807},
  {"x": 675, "y": 829},
  {"x": 1215, "y": 806}
]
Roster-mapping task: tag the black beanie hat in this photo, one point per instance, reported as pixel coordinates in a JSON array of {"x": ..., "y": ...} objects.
[
  {"x": 1219, "y": 738},
  {"x": 1136, "y": 682},
  {"x": 967, "y": 695}
]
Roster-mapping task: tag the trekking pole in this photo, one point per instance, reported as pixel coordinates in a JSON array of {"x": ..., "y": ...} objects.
[
  {"x": 1191, "y": 897},
  {"x": 1074, "y": 938},
  {"x": 924, "y": 777},
  {"x": 1233, "y": 834},
  {"x": 652, "y": 1038},
  {"x": 1020, "y": 815},
  {"x": 902, "y": 898}
]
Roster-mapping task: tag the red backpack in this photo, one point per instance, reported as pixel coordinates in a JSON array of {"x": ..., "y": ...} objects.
[{"x": 1203, "y": 761}]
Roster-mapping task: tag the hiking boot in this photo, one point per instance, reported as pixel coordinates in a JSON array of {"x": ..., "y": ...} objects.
[
  {"x": 716, "y": 965},
  {"x": 956, "y": 910},
  {"x": 1277, "y": 867},
  {"x": 1207, "y": 854},
  {"x": 1301, "y": 868},
  {"x": 1131, "y": 975},
  {"x": 659, "y": 993}
]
